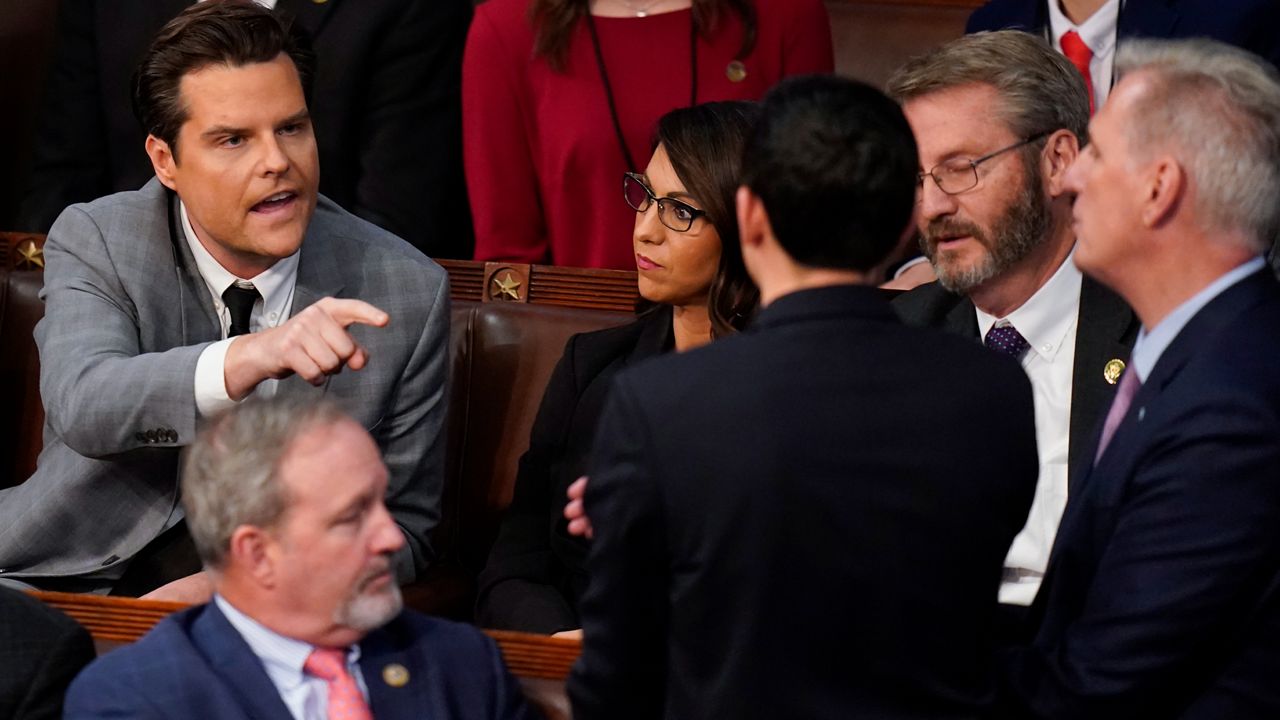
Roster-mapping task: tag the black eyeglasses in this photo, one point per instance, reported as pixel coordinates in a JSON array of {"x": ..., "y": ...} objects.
[
  {"x": 958, "y": 174},
  {"x": 677, "y": 215}
]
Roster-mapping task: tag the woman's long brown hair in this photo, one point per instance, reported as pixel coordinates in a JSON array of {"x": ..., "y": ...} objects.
[{"x": 554, "y": 20}]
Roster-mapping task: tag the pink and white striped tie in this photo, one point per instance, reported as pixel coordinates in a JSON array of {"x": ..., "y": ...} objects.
[
  {"x": 346, "y": 702},
  {"x": 1129, "y": 386}
]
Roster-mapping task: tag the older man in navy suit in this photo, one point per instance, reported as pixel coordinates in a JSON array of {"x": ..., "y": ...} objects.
[
  {"x": 285, "y": 503},
  {"x": 1162, "y": 597}
]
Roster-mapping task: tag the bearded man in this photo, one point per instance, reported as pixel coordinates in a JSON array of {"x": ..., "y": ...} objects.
[
  {"x": 284, "y": 499},
  {"x": 999, "y": 118}
]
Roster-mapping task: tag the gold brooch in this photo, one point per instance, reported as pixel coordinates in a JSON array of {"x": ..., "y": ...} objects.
[
  {"x": 1112, "y": 370},
  {"x": 736, "y": 71},
  {"x": 395, "y": 675}
]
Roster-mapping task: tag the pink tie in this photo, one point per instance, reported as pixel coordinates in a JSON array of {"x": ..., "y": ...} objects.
[
  {"x": 346, "y": 702},
  {"x": 1079, "y": 54},
  {"x": 1129, "y": 386}
]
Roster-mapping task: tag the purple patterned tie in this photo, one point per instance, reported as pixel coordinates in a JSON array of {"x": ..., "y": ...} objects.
[
  {"x": 1129, "y": 386},
  {"x": 1006, "y": 339}
]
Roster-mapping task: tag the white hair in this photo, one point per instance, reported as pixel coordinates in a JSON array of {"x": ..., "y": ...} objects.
[{"x": 1218, "y": 107}]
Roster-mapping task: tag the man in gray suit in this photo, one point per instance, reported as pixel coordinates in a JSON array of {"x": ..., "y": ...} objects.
[{"x": 226, "y": 276}]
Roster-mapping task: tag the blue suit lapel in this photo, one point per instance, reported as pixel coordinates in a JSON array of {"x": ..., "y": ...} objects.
[
  {"x": 379, "y": 658},
  {"x": 1147, "y": 18},
  {"x": 230, "y": 657}
]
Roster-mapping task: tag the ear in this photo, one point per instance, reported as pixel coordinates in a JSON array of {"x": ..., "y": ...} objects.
[
  {"x": 162, "y": 161},
  {"x": 253, "y": 551},
  {"x": 1163, "y": 190},
  {"x": 753, "y": 220},
  {"x": 1060, "y": 152}
]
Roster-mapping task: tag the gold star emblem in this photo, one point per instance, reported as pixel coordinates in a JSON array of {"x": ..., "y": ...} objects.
[
  {"x": 395, "y": 675},
  {"x": 507, "y": 285},
  {"x": 1112, "y": 370},
  {"x": 31, "y": 254}
]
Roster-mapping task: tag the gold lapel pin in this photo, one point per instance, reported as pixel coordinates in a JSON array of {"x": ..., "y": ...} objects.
[
  {"x": 736, "y": 71},
  {"x": 395, "y": 675},
  {"x": 1112, "y": 370}
]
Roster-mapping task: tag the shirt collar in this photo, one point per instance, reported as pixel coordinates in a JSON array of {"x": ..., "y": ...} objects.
[
  {"x": 275, "y": 284},
  {"x": 1046, "y": 318},
  {"x": 1150, "y": 345},
  {"x": 1098, "y": 32},
  {"x": 282, "y": 657}
]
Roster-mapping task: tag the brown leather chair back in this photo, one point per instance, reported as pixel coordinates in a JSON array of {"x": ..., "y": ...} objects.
[{"x": 21, "y": 412}]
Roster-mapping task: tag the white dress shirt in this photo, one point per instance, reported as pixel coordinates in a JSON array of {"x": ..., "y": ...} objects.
[
  {"x": 275, "y": 285},
  {"x": 306, "y": 696},
  {"x": 1048, "y": 321},
  {"x": 1099, "y": 33}
]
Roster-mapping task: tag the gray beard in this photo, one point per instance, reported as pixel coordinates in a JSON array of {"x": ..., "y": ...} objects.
[
  {"x": 365, "y": 611},
  {"x": 1023, "y": 227}
]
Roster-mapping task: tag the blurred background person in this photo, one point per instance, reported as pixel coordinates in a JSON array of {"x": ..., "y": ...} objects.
[
  {"x": 690, "y": 267},
  {"x": 561, "y": 97},
  {"x": 385, "y": 101},
  {"x": 41, "y": 650}
]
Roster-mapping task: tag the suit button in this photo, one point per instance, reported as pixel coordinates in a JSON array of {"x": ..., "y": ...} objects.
[
  {"x": 152, "y": 437},
  {"x": 140, "y": 436},
  {"x": 171, "y": 435}
]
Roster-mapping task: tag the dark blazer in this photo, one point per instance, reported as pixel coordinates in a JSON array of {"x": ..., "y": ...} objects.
[
  {"x": 386, "y": 102},
  {"x": 194, "y": 664},
  {"x": 1105, "y": 331},
  {"x": 1251, "y": 24},
  {"x": 790, "y": 523},
  {"x": 41, "y": 650},
  {"x": 537, "y": 571},
  {"x": 1162, "y": 597}
]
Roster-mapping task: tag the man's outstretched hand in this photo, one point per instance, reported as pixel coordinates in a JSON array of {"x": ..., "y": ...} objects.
[{"x": 313, "y": 344}]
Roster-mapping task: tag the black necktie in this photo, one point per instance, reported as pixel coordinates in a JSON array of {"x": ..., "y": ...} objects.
[{"x": 240, "y": 299}]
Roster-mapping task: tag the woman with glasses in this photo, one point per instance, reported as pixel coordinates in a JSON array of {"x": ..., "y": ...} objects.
[
  {"x": 560, "y": 97},
  {"x": 685, "y": 249}
]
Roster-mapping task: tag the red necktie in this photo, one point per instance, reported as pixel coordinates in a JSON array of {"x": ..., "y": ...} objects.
[
  {"x": 1079, "y": 54},
  {"x": 346, "y": 702}
]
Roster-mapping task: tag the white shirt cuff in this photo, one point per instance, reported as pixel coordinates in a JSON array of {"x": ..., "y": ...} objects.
[{"x": 211, "y": 382}]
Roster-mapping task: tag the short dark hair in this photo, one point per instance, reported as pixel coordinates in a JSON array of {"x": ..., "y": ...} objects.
[
  {"x": 704, "y": 144},
  {"x": 834, "y": 162},
  {"x": 217, "y": 32}
]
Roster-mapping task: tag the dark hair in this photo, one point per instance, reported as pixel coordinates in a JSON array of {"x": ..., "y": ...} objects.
[
  {"x": 834, "y": 162},
  {"x": 554, "y": 20},
  {"x": 218, "y": 32},
  {"x": 704, "y": 144}
]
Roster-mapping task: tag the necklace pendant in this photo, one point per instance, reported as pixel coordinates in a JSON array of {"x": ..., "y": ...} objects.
[{"x": 641, "y": 13}]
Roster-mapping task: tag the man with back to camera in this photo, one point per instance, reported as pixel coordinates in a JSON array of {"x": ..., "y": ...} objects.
[
  {"x": 1163, "y": 592},
  {"x": 764, "y": 504},
  {"x": 285, "y": 503},
  {"x": 226, "y": 276},
  {"x": 999, "y": 118}
]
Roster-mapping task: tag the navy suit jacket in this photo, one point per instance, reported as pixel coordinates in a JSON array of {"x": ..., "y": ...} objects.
[
  {"x": 1162, "y": 596},
  {"x": 1251, "y": 24},
  {"x": 804, "y": 520},
  {"x": 194, "y": 664}
]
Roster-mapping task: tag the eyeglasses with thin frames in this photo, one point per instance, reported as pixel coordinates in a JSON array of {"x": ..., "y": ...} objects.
[
  {"x": 958, "y": 174},
  {"x": 673, "y": 213}
]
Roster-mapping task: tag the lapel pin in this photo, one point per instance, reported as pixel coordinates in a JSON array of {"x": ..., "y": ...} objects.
[
  {"x": 736, "y": 71},
  {"x": 1142, "y": 413},
  {"x": 395, "y": 675},
  {"x": 1112, "y": 370}
]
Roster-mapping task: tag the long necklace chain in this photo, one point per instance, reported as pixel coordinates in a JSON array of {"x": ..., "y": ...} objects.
[{"x": 608, "y": 87}]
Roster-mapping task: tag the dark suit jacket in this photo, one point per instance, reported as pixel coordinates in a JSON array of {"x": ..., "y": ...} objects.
[
  {"x": 1162, "y": 597},
  {"x": 1251, "y": 24},
  {"x": 537, "y": 571},
  {"x": 804, "y": 520},
  {"x": 386, "y": 102},
  {"x": 195, "y": 665},
  {"x": 41, "y": 650},
  {"x": 1105, "y": 330}
]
